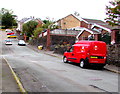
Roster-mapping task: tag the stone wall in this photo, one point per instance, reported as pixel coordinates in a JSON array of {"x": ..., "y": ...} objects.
[
  {"x": 113, "y": 54},
  {"x": 37, "y": 42},
  {"x": 59, "y": 44}
]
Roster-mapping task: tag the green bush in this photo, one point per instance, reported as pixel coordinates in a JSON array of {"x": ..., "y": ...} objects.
[
  {"x": 29, "y": 27},
  {"x": 37, "y": 31}
]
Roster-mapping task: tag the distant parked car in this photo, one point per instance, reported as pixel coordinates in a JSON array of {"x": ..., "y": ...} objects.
[
  {"x": 8, "y": 42},
  {"x": 8, "y": 30},
  {"x": 21, "y": 43},
  {"x": 12, "y": 36},
  {"x": 10, "y": 33}
]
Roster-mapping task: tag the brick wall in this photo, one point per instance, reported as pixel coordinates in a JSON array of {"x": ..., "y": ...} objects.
[
  {"x": 69, "y": 22},
  {"x": 83, "y": 24},
  {"x": 84, "y": 35}
]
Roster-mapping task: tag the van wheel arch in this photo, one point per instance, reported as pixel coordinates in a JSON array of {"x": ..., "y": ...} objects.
[
  {"x": 65, "y": 59},
  {"x": 82, "y": 63}
]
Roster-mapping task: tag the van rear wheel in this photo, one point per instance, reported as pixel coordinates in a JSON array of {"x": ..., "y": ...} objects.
[
  {"x": 82, "y": 63},
  {"x": 65, "y": 59}
]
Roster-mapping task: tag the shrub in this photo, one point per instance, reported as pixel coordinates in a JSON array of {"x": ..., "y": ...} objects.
[{"x": 37, "y": 31}]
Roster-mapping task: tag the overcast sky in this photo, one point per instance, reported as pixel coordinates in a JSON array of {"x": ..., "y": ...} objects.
[{"x": 57, "y": 9}]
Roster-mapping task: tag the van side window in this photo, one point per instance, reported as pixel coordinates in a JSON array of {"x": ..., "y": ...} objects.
[{"x": 71, "y": 49}]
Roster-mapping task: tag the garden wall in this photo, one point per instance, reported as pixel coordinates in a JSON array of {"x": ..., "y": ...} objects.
[
  {"x": 60, "y": 45},
  {"x": 113, "y": 54},
  {"x": 37, "y": 42}
]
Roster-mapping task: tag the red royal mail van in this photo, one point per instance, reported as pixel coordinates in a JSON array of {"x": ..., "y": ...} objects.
[{"x": 87, "y": 53}]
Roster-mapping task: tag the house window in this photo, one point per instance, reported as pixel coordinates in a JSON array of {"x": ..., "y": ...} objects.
[{"x": 64, "y": 23}]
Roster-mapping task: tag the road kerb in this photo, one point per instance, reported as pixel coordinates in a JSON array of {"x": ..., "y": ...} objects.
[
  {"x": 22, "y": 90},
  {"x": 52, "y": 55},
  {"x": 112, "y": 70}
]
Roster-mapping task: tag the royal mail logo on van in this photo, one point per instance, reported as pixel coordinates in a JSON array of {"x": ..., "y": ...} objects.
[
  {"x": 95, "y": 47},
  {"x": 83, "y": 49}
]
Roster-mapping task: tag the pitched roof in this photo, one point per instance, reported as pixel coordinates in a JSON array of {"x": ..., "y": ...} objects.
[
  {"x": 109, "y": 26},
  {"x": 105, "y": 27},
  {"x": 94, "y": 32},
  {"x": 77, "y": 17},
  {"x": 92, "y": 21},
  {"x": 88, "y": 30},
  {"x": 24, "y": 19},
  {"x": 89, "y": 21}
]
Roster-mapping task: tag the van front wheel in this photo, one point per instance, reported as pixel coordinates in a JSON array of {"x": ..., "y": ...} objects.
[
  {"x": 82, "y": 63},
  {"x": 65, "y": 59}
]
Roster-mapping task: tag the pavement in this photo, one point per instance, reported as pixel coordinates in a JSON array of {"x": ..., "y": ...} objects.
[{"x": 10, "y": 83}]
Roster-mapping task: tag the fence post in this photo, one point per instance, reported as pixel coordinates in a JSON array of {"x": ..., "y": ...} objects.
[
  {"x": 48, "y": 40},
  {"x": 25, "y": 37}
]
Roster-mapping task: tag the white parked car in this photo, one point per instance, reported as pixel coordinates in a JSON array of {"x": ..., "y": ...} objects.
[
  {"x": 21, "y": 43},
  {"x": 8, "y": 42},
  {"x": 8, "y": 30}
]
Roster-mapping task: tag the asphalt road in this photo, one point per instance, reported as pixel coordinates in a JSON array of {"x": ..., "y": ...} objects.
[{"x": 39, "y": 72}]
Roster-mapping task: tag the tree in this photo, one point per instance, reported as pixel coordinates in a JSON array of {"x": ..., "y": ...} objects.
[
  {"x": 113, "y": 13},
  {"x": 29, "y": 27},
  {"x": 7, "y": 19},
  {"x": 49, "y": 24},
  {"x": 46, "y": 24},
  {"x": 37, "y": 31}
]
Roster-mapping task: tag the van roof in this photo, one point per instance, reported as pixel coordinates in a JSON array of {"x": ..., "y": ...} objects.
[
  {"x": 81, "y": 44},
  {"x": 87, "y": 42}
]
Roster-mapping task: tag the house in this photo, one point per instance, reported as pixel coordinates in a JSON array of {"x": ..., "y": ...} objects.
[
  {"x": 21, "y": 22},
  {"x": 74, "y": 20},
  {"x": 25, "y": 20},
  {"x": 115, "y": 35},
  {"x": 87, "y": 34},
  {"x": 77, "y": 28},
  {"x": 100, "y": 30},
  {"x": 67, "y": 22},
  {"x": 87, "y": 27}
]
